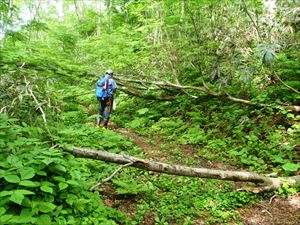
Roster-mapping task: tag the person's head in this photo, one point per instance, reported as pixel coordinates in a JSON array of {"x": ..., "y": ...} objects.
[{"x": 109, "y": 72}]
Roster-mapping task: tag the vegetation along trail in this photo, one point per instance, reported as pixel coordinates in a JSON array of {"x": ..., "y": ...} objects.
[
  {"x": 274, "y": 210},
  {"x": 155, "y": 112}
]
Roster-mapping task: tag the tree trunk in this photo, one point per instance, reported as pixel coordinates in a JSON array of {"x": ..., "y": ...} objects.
[
  {"x": 98, "y": 22},
  {"x": 204, "y": 89},
  {"x": 264, "y": 183},
  {"x": 77, "y": 9}
]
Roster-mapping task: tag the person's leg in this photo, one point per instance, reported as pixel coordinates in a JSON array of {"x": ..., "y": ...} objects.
[
  {"x": 102, "y": 104},
  {"x": 107, "y": 111}
]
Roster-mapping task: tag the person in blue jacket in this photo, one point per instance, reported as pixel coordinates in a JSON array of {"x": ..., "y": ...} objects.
[{"x": 105, "y": 90}]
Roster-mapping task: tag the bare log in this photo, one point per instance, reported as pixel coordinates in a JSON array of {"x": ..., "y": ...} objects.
[{"x": 263, "y": 182}]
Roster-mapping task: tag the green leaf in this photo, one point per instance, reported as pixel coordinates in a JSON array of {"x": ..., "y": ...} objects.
[
  {"x": 24, "y": 192},
  {"x": 5, "y": 193},
  {"x": 11, "y": 178},
  {"x": 2, "y": 172},
  {"x": 27, "y": 173},
  {"x": 71, "y": 199},
  {"x": 290, "y": 167},
  {"x": 46, "y": 207},
  {"x": 41, "y": 173},
  {"x": 5, "y": 218},
  {"x": 73, "y": 182},
  {"x": 47, "y": 161},
  {"x": 24, "y": 218},
  {"x": 58, "y": 178},
  {"x": 2, "y": 211},
  {"x": 142, "y": 111},
  {"x": 17, "y": 197},
  {"x": 62, "y": 185},
  {"x": 47, "y": 189},
  {"x": 4, "y": 165},
  {"x": 43, "y": 219},
  {"x": 28, "y": 183},
  {"x": 61, "y": 168}
]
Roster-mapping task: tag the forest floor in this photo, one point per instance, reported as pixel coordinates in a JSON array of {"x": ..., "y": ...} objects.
[{"x": 275, "y": 211}]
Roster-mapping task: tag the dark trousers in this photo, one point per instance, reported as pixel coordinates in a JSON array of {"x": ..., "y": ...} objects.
[{"x": 105, "y": 106}]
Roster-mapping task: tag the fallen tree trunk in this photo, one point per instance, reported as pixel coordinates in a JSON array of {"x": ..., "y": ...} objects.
[
  {"x": 205, "y": 89},
  {"x": 263, "y": 183}
]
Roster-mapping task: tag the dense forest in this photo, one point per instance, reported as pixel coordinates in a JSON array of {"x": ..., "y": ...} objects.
[{"x": 205, "y": 127}]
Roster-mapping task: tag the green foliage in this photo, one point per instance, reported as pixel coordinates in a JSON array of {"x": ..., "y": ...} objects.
[
  {"x": 45, "y": 185},
  {"x": 59, "y": 60},
  {"x": 286, "y": 190},
  {"x": 129, "y": 187}
]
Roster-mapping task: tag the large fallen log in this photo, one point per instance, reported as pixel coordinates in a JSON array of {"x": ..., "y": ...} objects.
[{"x": 263, "y": 183}]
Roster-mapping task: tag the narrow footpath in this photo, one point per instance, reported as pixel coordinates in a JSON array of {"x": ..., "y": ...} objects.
[{"x": 274, "y": 211}]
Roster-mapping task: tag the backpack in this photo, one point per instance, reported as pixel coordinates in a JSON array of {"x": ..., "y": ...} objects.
[{"x": 104, "y": 88}]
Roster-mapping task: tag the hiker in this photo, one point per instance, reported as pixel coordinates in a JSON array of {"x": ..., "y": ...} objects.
[{"x": 105, "y": 89}]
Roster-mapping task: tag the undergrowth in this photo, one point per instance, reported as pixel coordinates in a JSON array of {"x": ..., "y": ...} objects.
[{"x": 262, "y": 140}]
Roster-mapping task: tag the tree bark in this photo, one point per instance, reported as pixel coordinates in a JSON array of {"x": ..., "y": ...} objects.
[{"x": 263, "y": 182}]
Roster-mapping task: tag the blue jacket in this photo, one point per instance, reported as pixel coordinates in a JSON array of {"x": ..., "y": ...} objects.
[{"x": 101, "y": 90}]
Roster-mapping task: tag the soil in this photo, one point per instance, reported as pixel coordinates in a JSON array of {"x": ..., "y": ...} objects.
[{"x": 276, "y": 211}]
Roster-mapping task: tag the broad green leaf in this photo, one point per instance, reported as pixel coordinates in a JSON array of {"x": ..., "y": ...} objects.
[
  {"x": 70, "y": 199},
  {"x": 5, "y": 193},
  {"x": 2, "y": 211},
  {"x": 27, "y": 173},
  {"x": 4, "y": 165},
  {"x": 73, "y": 182},
  {"x": 41, "y": 173},
  {"x": 5, "y": 218},
  {"x": 43, "y": 219},
  {"x": 61, "y": 168},
  {"x": 13, "y": 159},
  {"x": 28, "y": 183},
  {"x": 46, "y": 207},
  {"x": 24, "y": 218},
  {"x": 58, "y": 178},
  {"x": 47, "y": 189},
  {"x": 17, "y": 197},
  {"x": 11, "y": 178},
  {"x": 24, "y": 192},
  {"x": 47, "y": 161},
  {"x": 142, "y": 111},
  {"x": 290, "y": 167},
  {"x": 62, "y": 185},
  {"x": 2, "y": 172}
]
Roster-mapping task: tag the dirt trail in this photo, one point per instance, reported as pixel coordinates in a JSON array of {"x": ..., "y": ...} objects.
[{"x": 276, "y": 211}]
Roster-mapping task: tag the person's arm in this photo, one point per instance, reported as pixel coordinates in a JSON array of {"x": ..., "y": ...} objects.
[{"x": 114, "y": 85}]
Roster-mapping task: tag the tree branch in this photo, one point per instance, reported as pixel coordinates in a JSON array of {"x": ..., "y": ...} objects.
[
  {"x": 265, "y": 183},
  {"x": 204, "y": 89},
  {"x": 111, "y": 176}
]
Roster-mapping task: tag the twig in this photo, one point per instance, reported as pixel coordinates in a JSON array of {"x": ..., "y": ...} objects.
[
  {"x": 54, "y": 146},
  {"x": 111, "y": 176},
  {"x": 3, "y": 109},
  {"x": 252, "y": 20},
  {"x": 36, "y": 101},
  {"x": 22, "y": 65},
  {"x": 289, "y": 87},
  {"x": 271, "y": 199},
  {"x": 267, "y": 212}
]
